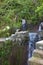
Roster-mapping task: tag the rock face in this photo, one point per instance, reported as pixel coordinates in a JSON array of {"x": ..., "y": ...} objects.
[
  {"x": 35, "y": 61},
  {"x": 37, "y": 58},
  {"x": 18, "y": 37},
  {"x": 38, "y": 53},
  {"x": 40, "y": 33},
  {"x": 39, "y": 45}
]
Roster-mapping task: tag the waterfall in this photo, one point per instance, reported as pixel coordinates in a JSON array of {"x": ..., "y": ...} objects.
[
  {"x": 33, "y": 38},
  {"x": 24, "y": 25}
]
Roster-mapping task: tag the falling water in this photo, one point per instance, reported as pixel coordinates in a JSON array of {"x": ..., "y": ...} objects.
[{"x": 33, "y": 38}]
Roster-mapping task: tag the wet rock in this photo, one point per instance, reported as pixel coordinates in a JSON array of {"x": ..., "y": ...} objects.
[{"x": 19, "y": 37}]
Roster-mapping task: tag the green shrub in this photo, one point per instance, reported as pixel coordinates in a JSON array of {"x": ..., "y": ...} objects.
[{"x": 5, "y": 51}]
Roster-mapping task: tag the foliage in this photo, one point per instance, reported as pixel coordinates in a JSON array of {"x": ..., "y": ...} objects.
[
  {"x": 5, "y": 32},
  {"x": 4, "y": 52},
  {"x": 39, "y": 10},
  {"x": 12, "y": 11}
]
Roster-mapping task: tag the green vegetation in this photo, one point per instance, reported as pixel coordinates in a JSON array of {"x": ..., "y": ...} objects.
[
  {"x": 5, "y": 50},
  {"x": 12, "y": 11}
]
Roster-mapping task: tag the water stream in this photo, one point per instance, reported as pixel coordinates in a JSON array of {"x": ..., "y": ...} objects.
[{"x": 33, "y": 38}]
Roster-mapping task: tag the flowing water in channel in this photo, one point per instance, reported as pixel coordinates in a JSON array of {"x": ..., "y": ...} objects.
[{"x": 33, "y": 38}]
